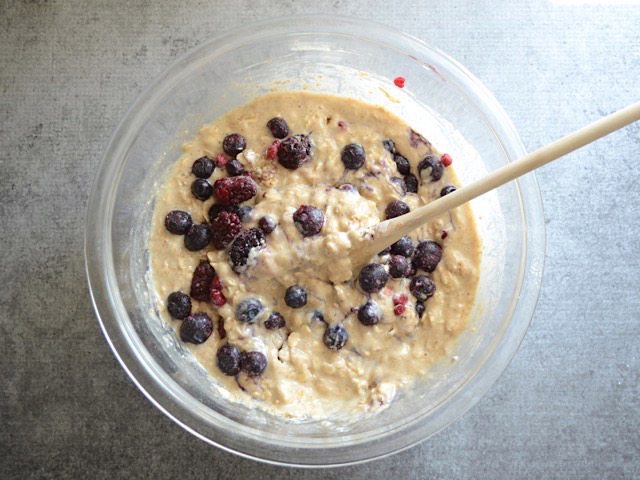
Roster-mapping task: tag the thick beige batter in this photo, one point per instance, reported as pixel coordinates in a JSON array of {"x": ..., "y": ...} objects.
[{"x": 304, "y": 379}]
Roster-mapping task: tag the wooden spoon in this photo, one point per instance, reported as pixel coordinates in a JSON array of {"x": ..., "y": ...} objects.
[{"x": 376, "y": 238}]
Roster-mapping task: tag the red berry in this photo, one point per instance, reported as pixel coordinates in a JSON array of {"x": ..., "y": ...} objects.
[
  {"x": 235, "y": 190},
  {"x": 218, "y": 298},
  {"x": 224, "y": 229},
  {"x": 343, "y": 125},
  {"x": 399, "y": 82},
  {"x": 216, "y": 283},
  {"x": 443, "y": 234},
  {"x": 272, "y": 151},
  {"x": 446, "y": 160},
  {"x": 400, "y": 299},
  {"x": 399, "y": 309},
  {"x": 221, "y": 160}
]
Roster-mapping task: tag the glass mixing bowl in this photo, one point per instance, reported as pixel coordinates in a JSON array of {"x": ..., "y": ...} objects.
[{"x": 347, "y": 57}]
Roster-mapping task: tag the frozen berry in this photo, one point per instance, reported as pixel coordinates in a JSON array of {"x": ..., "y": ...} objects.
[
  {"x": 272, "y": 150},
  {"x": 427, "y": 255},
  {"x": 242, "y": 247},
  {"x": 221, "y": 160},
  {"x": 224, "y": 229},
  {"x": 253, "y": 363},
  {"x": 399, "y": 185},
  {"x": 177, "y": 222},
  {"x": 430, "y": 165},
  {"x": 403, "y": 165},
  {"x": 197, "y": 237},
  {"x": 267, "y": 224},
  {"x": 275, "y": 321},
  {"x": 308, "y": 220},
  {"x": 196, "y": 328},
  {"x": 233, "y": 144},
  {"x": 335, "y": 337},
  {"x": 278, "y": 127},
  {"x": 447, "y": 190},
  {"x": 234, "y": 168},
  {"x": 234, "y": 190},
  {"x": 446, "y": 159},
  {"x": 369, "y": 313},
  {"x": 217, "y": 297},
  {"x": 179, "y": 305},
  {"x": 294, "y": 151},
  {"x": 295, "y": 296},
  {"x": 411, "y": 183},
  {"x": 201, "y": 189},
  {"x": 420, "y": 309},
  {"x": 373, "y": 278},
  {"x": 399, "y": 309},
  {"x": 395, "y": 209},
  {"x": 203, "y": 167},
  {"x": 201, "y": 280},
  {"x": 244, "y": 213},
  {"x": 228, "y": 359},
  {"x": 353, "y": 156},
  {"x": 248, "y": 309},
  {"x": 216, "y": 208},
  {"x": 318, "y": 316},
  {"x": 403, "y": 247},
  {"x": 389, "y": 145},
  {"x": 399, "y": 266},
  {"x": 422, "y": 287},
  {"x": 347, "y": 187},
  {"x": 399, "y": 82}
]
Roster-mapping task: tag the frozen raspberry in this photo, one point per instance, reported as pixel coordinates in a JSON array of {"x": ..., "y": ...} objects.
[
  {"x": 241, "y": 248},
  {"x": 308, "y": 220},
  {"x": 446, "y": 159},
  {"x": 201, "y": 280},
  {"x": 272, "y": 150},
  {"x": 218, "y": 298},
  {"x": 278, "y": 127},
  {"x": 224, "y": 229},
  {"x": 400, "y": 299},
  {"x": 399, "y": 309},
  {"x": 233, "y": 144},
  {"x": 294, "y": 151},
  {"x": 221, "y": 160},
  {"x": 216, "y": 208},
  {"x": 235, "y": 190}
]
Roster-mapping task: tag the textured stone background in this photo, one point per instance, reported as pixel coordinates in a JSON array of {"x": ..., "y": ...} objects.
[{"x": 568, "y": 406}]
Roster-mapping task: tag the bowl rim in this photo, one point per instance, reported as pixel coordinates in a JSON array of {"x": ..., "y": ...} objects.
[{"x": 102, "y": 195}]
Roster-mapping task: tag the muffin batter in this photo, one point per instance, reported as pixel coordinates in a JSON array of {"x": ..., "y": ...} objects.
[{"x": 342, "y": 342}]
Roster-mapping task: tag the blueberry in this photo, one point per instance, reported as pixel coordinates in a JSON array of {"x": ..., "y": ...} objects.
[
  {"x": 179, "y": 305},
  {"x": 347, "y": 187},
  {"x": 389, "y": 145},
  {"x": 216, "y": 209},
  {"x": 420, "y": 309},
  {"x": 248, "y": 310},
  {"x": 353, "y": 156},
  {"x": 233, "y": 144},
  {"x": 384, "y": 252},
  {"x": 234, "y": 168},
  {"x": 275, "y": 321},
  {"x": 427, "y": 255},
  {"x": 308, "y": 220},
  {"x": 447, "y": 190},
  {"x": 433, "y": 167},
  {"x": 373, "y": 278},
  {"x": 278, "y": 127},
  {"x": 244, "y": 213},
  {"x": 369, "y": 313},
  {"x": 197, "y": 237},
  {"x": 267, "y": 224},
  {"x": 411, "y": 183},
  {"x": 403, "y": 247},
  {"x": 228, "y": 359},
  {"x": 196, "y": 328},
  {"x": 201, "y": 189},
  {"x": 295, "y": 296},
  {"x": 253, "y": 363},
  {"x": 318, "y": 316},
  {"x": 403, "y": 165},
  {"x": 177, "y": 222},
  {"x": 396, "y": 208},
  {"x": 422, "y": 287},
  {"x": 203, "y": 167},
  {"x": 294, "y": 151},
  {"x": 335, "y": 337},
  {"x": 399, "y": 185},
  {"x": 399, "y": 266}
]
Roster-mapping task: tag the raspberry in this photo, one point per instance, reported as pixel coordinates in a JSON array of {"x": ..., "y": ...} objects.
[
  {"x": 446, "y": 159},
  {"x": 272, "y": 150},
  {"x": 399, "y": 82},
  {"x": 216, "y": 208},
  {"x": 400, "y": 299},
  {"x": 221, "y": 160},
  {"x": 399, "y": 309},
  {"x": 343, "y": 125},
  {"x": 234, "y": 190},
  {"x": 201, "y": 280},
  {"x": 224, "y": 228},
  {"x": 218, "y": 298}
]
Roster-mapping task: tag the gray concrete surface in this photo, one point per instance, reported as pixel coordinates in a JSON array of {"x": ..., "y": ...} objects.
[{"x": 567, "y": 407}]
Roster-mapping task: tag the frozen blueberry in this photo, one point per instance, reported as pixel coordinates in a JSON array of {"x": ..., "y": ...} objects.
[
  {"x": 197, "y": 237},
  {"x": 294, "y": 151},
  {"x": 201, "y": 189},
  {"x": 420, "y": 309},
  {"x": 278, "y": 127},
  {"x": 432, "y": 166},
  {"x": 233, "y": 144},
  {"x": 353, "y": 156},
  {"x": 411, "y": 183},
  {"x": 335, "y": 337},
  {"x": 248, "y": 309},
  {"x": 244, "y": 213},
  {"x": 216, "y": 209},
  {"x": 403, "y": 165},
  {"x": 228, "y": 359},
  {"x": 242, "y": 247},
  {"x": 370, "y": 313},
  {"x": 447, "y": 190},
  {"x": 253, "y": 363},
  {"x": 399, "y": 185},
  {"x": 318, "y": 316},
  {"x": 179, "y": 305},
  {"x": 427, "y": 255},
  {"x": 422, "y": 287},
  {"x": 399, "y": 266},
  {"x": 308, "y": 220},
  {"x": 295, "y": 296},
  {"x": 403, "y": 247},
  {"x": 267, "y": 224},
  {"x": 396, "y": 208},
  {"x": 196, "y": 328},
  {"x": 389, "y": 145},
  {"x": 177, "y": 222},
  {"x": 234, "y": 168},
  {"x": 373, "y": 278},
  {"x": 203, "y": 167},
  {"x": 275, "y": 321}
]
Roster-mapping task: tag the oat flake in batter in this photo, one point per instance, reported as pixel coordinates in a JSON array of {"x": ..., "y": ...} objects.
[{"x": 293, "y": 331}]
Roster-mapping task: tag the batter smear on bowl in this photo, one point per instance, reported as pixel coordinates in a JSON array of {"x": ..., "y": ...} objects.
[{"x": 243, "y": 228}]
